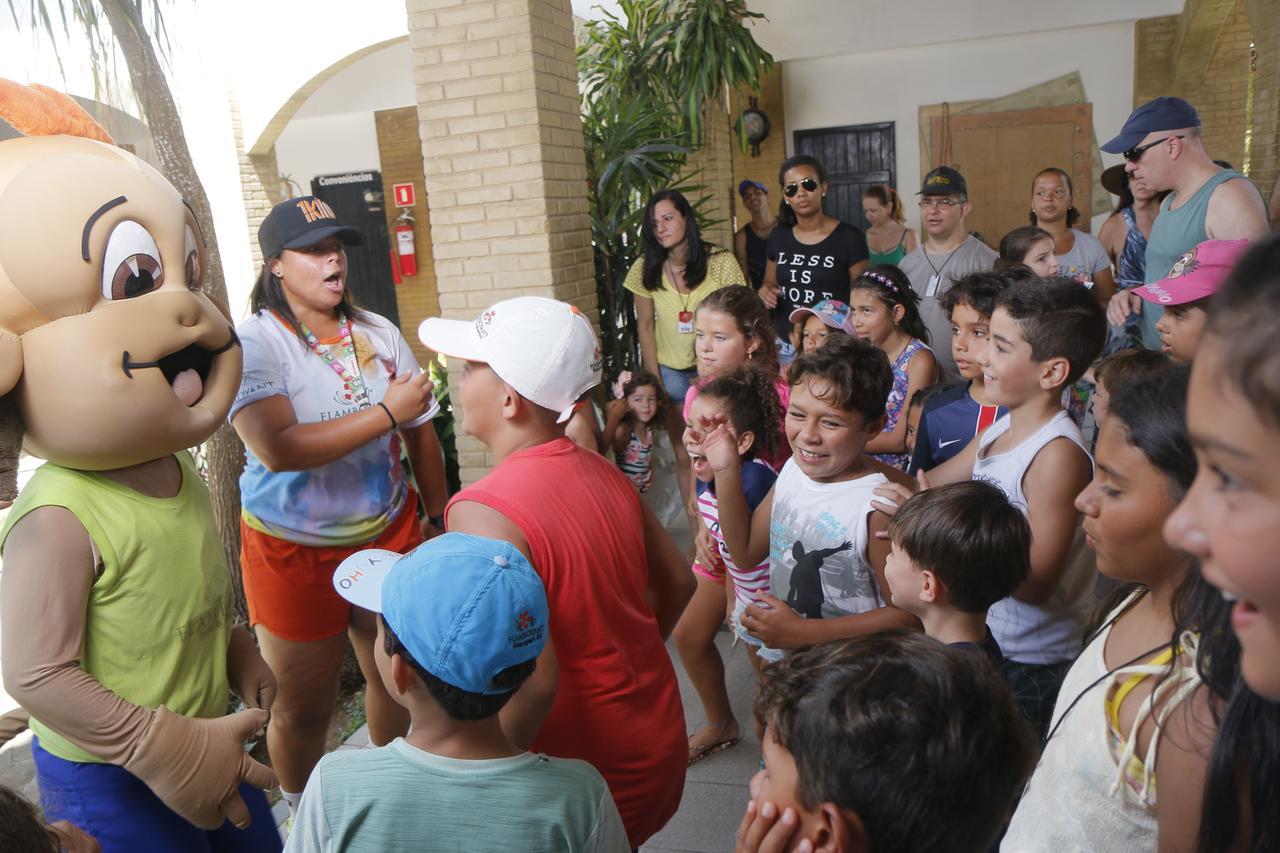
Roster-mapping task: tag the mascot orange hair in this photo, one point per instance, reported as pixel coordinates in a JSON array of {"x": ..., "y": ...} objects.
[{"x": 115, "y": 602}]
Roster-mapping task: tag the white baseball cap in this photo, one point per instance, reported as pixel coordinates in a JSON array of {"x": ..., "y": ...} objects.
[{"x": 543, "y": 348}]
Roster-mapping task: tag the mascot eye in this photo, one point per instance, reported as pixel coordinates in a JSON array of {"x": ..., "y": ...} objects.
[
  {"x": 191, "y": 251},
  {"x": 131, "y": 263}
]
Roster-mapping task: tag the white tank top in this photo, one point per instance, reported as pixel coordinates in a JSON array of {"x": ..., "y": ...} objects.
[
  {"x": 1048, "y": 632},
  {"x": 1078, "y": 799},
  {"x": 818, "y": 544}
]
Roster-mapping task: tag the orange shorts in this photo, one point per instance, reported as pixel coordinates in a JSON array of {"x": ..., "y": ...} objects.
[{"x": 289, "y": 587}]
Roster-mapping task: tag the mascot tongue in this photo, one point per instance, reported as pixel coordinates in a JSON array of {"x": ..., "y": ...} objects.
[{"x": 188, "y": 387}]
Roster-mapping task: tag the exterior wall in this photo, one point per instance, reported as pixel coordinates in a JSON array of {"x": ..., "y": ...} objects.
[
  {"x": 711, "y": 166},
  {"x": 497, "y": 93},
  {"x": 400, "y": 152},
  {"x": 891, "y": 85},
  {"x": 772, "y": 151},
  {"x": 1264, "y": 155},
  {"x": 1203, "y": 56}
]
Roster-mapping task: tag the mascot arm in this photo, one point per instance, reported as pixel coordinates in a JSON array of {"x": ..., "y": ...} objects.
[
  {"x": 250, "y": 677},
  {"x": 44, "y": 590},
  {"x": 193, "y": 765}
]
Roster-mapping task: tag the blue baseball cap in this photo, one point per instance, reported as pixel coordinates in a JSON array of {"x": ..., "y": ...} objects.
[
  {"x": 1153, "y": 117},
  {"x": 465, "y": 607},
  {"x": 747, "y": 183}
]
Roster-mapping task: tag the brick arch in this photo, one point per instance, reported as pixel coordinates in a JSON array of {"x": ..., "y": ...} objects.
[{"x": 265, "y": 143}]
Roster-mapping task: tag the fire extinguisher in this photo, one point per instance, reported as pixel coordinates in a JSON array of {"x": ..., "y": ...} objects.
[{"x": 405, "y": 250}]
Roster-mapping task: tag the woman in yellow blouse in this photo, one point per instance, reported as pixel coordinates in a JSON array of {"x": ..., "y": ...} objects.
[{"x": 675, "y": 273}]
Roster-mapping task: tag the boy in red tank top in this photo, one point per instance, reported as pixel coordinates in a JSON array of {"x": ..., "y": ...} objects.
[{"x": 604, "y": 689}]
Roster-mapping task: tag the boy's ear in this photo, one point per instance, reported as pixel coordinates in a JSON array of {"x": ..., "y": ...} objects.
[
  {"x": 1054, "y": 372},
  {"x": 875, "y": 427},
  {"x": 839, "y": 831},
  {"x": 745, "y": 440},
  {"x": 401, "y": 676},
  {"x": 930, "y": 587}
]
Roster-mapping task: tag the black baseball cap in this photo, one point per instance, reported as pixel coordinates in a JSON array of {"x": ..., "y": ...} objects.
[
  {"x": 302, "y": 221},
  {"x": 944, "y": 180},
  {"x": 1153, "y": 117}
]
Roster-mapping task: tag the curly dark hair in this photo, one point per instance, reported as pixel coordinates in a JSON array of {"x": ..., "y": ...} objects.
[
  {"x": 857, "y": 372},
  {"x": 752, "y": 404}
]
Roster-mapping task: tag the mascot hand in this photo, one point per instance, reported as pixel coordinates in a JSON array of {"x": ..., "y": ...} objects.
[
  {"x": 195, "y": 766},
  {"x": 250, "y": 677}
]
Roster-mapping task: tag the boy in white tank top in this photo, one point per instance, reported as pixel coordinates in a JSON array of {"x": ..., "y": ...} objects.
[
  {"x": 1044, "y": 336},
  {"x": 817, "y": 527}
]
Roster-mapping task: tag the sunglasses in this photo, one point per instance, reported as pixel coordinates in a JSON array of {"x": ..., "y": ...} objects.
[
  {"x": 1135, "y": 153},
  {"x": 809, "y": 184}
]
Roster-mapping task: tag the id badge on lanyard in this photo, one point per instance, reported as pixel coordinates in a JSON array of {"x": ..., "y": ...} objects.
[{"x": 684, "y": 322}]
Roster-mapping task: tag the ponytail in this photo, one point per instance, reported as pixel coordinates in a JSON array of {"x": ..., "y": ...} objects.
[
  {"x": 888, "y": 197},
  {"x": 892, "y": 287}
]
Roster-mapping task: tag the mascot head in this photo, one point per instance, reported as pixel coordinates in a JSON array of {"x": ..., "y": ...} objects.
[{"x": 110, "y": 348}]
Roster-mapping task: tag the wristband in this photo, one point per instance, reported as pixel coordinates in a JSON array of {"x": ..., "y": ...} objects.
[
  {"x": 394, "y": 425},
  {"x": 436, "y": 521}
]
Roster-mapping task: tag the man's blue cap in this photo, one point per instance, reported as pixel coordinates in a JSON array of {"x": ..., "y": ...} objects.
[
  {"x": 465, "y": 607},
  {"x": 1153, "y": 117},
  {"x": 744, "y": 184}
]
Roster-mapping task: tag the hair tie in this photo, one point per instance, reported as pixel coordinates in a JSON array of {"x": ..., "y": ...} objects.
[
  {"x": 623, "y": 378},
  {"x": 881, "y": 278}
]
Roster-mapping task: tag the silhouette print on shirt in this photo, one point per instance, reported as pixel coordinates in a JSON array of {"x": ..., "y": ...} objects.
[{"x": 805, "y": 596}]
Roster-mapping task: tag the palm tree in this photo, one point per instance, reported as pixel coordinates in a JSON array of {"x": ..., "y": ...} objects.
[{"x": 122, "y": 21}]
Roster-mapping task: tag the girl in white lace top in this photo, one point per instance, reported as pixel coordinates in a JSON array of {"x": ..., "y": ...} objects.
[{"x": 1123, "y": 768}]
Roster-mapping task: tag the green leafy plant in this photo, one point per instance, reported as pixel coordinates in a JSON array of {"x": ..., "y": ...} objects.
[{"x": 646, "y": 75}]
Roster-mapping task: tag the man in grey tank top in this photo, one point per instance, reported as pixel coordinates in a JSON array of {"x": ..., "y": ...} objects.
[{"x": 1163, "y": 150}]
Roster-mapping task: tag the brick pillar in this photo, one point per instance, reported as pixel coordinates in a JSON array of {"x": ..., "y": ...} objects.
[
  {"x": 1264, "y": 155},
  {"x": 259, "y": 183},
  {"x": 711, "y": 167},
  {"x": 497, "y": 90}
]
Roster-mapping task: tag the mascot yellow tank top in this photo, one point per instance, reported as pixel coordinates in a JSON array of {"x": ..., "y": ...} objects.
[{"x": 159, "y": 615}]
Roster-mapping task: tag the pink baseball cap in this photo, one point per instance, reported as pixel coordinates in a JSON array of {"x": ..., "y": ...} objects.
[
  {"x": 543, "y": 348},
  {"x": 1197, "y": 274}
]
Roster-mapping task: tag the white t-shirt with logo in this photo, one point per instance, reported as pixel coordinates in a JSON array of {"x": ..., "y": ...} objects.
[{"x": 353, "y": 499}]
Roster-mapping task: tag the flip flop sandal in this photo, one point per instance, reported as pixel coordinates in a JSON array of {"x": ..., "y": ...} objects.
[{"x": 697, "y": 753}]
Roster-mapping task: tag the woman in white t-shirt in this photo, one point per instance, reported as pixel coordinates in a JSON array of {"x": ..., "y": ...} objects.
[
  {"x": 1080, "y": 255},
  {"x": 329, "y": 395}
]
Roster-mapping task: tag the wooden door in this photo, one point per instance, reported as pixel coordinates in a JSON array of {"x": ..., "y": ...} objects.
[
  {"x": 1000, "y": 153},
  {"x": 855, "y": 158}
]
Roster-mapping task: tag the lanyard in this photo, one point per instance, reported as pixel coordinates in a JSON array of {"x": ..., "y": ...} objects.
[{"x": 348, "y": 369}]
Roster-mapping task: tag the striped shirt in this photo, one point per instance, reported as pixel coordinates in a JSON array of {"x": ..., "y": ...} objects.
[{"x": 757, "y": 480}]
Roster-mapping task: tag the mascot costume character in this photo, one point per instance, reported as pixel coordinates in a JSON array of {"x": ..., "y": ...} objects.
[{"x": 115, "y": 602}]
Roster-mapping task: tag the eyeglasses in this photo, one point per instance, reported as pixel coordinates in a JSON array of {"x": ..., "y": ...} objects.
[
  {"x": 927, "y": 203},
  {"x": 1135, "y": 153},
  {"x": 809, "y": 184}
]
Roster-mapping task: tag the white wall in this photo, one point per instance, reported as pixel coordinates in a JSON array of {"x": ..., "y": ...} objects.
[
  {"x": 333, "y": 131},
  {"x": 276, "y": 47},
  {"x": 891, "y": 85}
]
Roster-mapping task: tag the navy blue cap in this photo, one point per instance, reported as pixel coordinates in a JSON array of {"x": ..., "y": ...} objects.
[
  {"x": 301, "y": 222},
  {"x": 944, "y": 180},
  {"x": 1153, "y": 117},
  {"x": 743, "y": 185}
]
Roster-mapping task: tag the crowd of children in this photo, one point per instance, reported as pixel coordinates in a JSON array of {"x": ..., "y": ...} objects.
[{"x": 973, "y": 625}]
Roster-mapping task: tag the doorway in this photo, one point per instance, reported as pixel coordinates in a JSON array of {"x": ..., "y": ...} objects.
[
  {"x": 855, "y": 157},
  {"x": 356, "y": 199}
]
